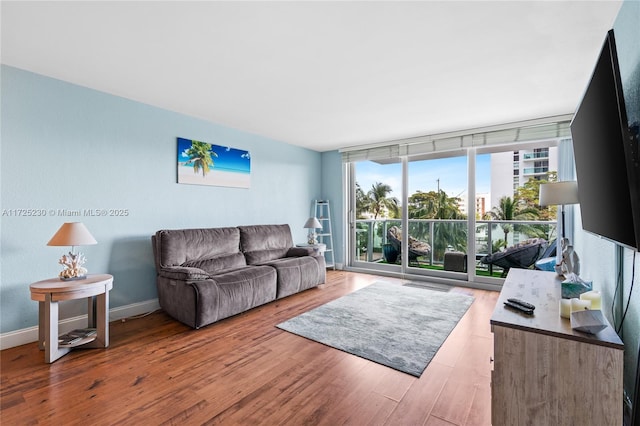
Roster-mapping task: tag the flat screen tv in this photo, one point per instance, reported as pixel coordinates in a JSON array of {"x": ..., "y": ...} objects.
[{"x": 606, "y": 155}]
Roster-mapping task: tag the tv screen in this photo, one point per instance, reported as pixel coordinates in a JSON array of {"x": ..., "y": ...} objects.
[{"x": 601, "y": 145}]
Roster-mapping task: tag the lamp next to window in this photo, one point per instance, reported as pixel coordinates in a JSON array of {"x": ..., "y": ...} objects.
[
  {"x": 559, "y": 193},
  {"x": 562, "y": 193},
  {"x": 312, "y": 224}
]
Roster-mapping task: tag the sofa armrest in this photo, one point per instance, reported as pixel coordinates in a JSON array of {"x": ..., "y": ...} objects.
[
  {"x": 183, "y": 273},
  {"x": 300, "y": 251}
]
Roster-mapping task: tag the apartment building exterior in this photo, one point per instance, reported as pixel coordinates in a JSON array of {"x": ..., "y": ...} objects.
[{"x": 512, "y": 169}]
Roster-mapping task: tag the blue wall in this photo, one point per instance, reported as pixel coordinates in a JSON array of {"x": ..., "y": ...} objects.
[{"x": 66, "y": 147}]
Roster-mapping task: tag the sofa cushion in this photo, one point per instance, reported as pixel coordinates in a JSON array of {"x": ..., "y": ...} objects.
[
  {"x": 296, "y": 274},
  {"x": 262, "y": 243},
  {"x": 181, "y": 246},
  {"x": 218, "y": 264},
  {"x": 300, "y": 251},
  {"x": 183, "y": 273},
  {"x": 259, "y": 257},
  {"x": 234, "y": 292}
]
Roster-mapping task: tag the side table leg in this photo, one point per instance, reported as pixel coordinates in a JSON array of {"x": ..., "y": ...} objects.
[
  {"x": 51, "y": 350},
  {"x": 101, "y": 322},
  {"x": 41, "y": 326},
  {"x": 91, "y": 312},
  {"x": 103, "y": 318}
]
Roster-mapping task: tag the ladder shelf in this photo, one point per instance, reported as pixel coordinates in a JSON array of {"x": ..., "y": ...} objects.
[{"x": 322, "y": 211}]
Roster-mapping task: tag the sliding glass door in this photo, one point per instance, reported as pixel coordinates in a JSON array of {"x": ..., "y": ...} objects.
[
  {"x": 449, "y": 214},
  {"x": 437, "y": 214},
  {"x": 514, "y": 230},
  {"x": 377, "y": 196}
]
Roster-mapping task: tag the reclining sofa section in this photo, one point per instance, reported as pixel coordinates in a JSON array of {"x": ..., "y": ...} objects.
[{"x": 205, "y": 275}]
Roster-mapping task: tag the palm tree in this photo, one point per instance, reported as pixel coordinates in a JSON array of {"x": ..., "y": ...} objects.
[
  {"x": 381, "y": 202},
  {"x": 363, "y": 203},
  {"x": 510, "y": 209},
  {"x": 200, "y": 157},
  {"x": 448, "y": 207},
  {"x": 438, "y": 205},
  {"x": 434, "y": 205}
]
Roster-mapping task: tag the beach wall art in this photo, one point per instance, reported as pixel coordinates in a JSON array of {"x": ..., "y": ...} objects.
[{"x": 201, "y": 163}]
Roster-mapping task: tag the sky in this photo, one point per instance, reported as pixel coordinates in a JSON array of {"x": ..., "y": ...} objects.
[{"x": 424, "y": 175}]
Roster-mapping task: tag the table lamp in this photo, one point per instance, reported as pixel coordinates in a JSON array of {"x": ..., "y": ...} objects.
[
  {"x": 563, "y": 193},
  {"x": 559, "y": 194},
  {"x": 312, "y": 224},
  {"x": 72, "y": 234}
]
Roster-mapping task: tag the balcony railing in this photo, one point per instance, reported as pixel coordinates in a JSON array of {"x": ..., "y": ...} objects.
[
  {"x": 536, "y": 155},
  {"x": 535, "y": 170},
  {"x": 448, "y": 235}
]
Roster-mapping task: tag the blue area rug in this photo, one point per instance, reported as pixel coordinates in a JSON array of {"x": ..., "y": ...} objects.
[{"x": 398, "y": 326}]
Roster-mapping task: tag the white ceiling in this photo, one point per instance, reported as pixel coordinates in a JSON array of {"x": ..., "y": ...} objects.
[{"x": 321, "y": 75}]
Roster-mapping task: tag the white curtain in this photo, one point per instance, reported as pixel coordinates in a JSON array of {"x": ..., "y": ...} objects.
[{"x": 567, "y": 171}]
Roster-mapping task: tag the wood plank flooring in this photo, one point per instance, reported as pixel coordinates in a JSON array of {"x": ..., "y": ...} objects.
[{"x": 244, "y": 370}]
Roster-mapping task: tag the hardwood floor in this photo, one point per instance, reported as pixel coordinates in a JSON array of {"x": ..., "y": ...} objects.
[{"x": 244, "y": 370}]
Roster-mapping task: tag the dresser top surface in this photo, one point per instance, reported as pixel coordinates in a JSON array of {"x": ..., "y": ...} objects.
[{"x": 543, "y": 289}]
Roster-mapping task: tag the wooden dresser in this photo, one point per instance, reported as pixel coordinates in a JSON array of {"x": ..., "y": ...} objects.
[{"x": 545, "y": 373}]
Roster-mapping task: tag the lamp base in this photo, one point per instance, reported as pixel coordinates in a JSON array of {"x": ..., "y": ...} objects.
[
  {"x": 81, "y": 277},
  {"x": 311, "y": 239},
  {"x": 73, "y": 269}
]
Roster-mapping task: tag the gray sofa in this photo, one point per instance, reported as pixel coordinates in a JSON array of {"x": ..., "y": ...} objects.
[{"x": 205, "y": 275}]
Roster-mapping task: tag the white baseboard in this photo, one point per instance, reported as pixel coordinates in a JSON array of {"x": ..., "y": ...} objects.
[{"x": 28, "y": 335}]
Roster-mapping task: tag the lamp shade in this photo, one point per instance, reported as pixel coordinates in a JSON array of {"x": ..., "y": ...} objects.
[
  {"x": 312, "y": 223},
  {"x": 72, "y": 234},
  {"x": 559, "y": 193}
]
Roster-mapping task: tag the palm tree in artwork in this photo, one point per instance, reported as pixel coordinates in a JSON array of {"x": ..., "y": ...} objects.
[
  {"x": 200, "y": 154},
  {"x": 380, "y": 201}
]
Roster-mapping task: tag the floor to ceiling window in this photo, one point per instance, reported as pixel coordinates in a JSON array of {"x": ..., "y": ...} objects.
[
  {"x": 378, "y": 208},
  {"x": 508, "y": 214},
  {"x": 437, "y": 213},
  {"x": 419, "y": 209}
]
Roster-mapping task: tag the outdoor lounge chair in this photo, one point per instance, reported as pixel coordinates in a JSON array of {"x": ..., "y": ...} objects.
[
  {"x": 522, "y": 255},
  {"x": 547, "y": 261},
  {"x": 416, "y": 248}
]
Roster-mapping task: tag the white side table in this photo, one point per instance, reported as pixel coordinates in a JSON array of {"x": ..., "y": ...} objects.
[
  {"x": 49, "y": 292},
  {"x": 319, "y": 248}
]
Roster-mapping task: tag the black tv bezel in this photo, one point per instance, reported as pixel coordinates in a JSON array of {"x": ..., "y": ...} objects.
[{"x": 629, "y": 152}]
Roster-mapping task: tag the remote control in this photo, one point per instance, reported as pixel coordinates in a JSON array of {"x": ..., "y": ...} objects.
[
  {"x": 521, "y": 308},
  {"x": 521, "y": 303}
]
